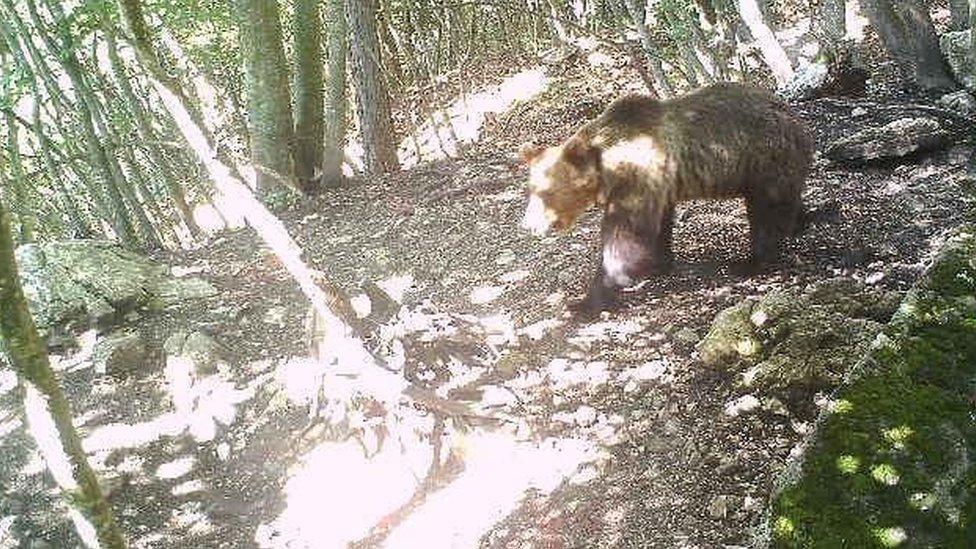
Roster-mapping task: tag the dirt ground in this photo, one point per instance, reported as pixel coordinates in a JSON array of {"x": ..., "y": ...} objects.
[{"x": 670, "y": 467}]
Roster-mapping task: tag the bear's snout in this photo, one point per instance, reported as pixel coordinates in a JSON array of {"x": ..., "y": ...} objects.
[{"x": 536, "y": 219}]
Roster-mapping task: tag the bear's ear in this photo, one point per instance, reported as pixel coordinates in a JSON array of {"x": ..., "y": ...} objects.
[
  {"x": 580, "y": 152},
  {"x": 530, "y": 151}
]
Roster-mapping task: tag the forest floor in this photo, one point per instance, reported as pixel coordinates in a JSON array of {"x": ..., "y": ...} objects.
[{"x": 615, "y": 434}]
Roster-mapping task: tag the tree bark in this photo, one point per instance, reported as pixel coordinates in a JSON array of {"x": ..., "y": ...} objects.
[
  {"x": 149, "y": 137},
  {"x": 908, "y": 35},
  {"x": 638, "y": 15},
  {"x": 28, "y": 357},
  {"x": 372, "y": 97},
  {"x": 308, "y": 93},
  {"x": 25, "y": 217},
  {"x": 772, "y": 52},
  {"x": 959, "y": 12},
  {"x": 100, "y": 159},
  {"x": 830, "y": 24},
  {"x": 268, "y": 104},
  {"x": 336, "y": 118}
]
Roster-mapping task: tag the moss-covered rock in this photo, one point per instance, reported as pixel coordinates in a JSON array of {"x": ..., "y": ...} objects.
[
  {"x": 77, "y": 282},
  {"x": 792, "y": 339},
  {"x": 892, "y": 464}
]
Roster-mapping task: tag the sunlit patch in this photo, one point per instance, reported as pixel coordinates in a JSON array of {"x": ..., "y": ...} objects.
[
  {"x": 40, "y": 422},
  {"x": 538, "y": 330},
  {"x": 81, "y": 358},
  {"x": 885, "y": 474},
  {"x": 619, "y": 331},
  {"x": 9, "y": 423},
  {"x": 848, "y": 464},
  {"x": 784, "y": 528},
  {"x": 8, "y": 381},
  {"x": 83, "y": 527},
  {"x": 484, "y": 493},
  {"x": 362, "y": 492},
  {"x": 485, "y": 294},
  {"x": 649, "y": 371},
  {"x": 854, "y": 21},
  {"x": 208, "y": 218},
  {"x": 514, "y": 276},
  {"x": 176, "y": 468},
  {"x": 564, "y": 374},
  {"x": 188, "y": 487},
  {"x": 741, "y": 405},
  {"x": 840, "y": 406},
  {"x": 923, "y": 501},
  {"x": 898, "y": 436},
  {"x": 461, "y": 122},
  {"x": 890, "y": 537},
  {"x": 396, "y": 286}
]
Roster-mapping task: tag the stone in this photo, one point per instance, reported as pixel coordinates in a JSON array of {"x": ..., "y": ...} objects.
[
  {"x": 797, "y": 339},
  {"x": 957, "y": 49},
  {"x": 206, "y": 355},
  {"x": 902, "y": 137},
  {"x": 960, "y": 101},
  {"x": 73, "y": 284},
  {"x": 119, "y": 354}
]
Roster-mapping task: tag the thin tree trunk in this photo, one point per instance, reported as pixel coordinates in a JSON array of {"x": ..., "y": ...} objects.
[
  {"x": 336, "y": 102},
  {"x": 272, "y": 133},
  {"x": 772, "y": 52},
  {"x": 46, "y": 402},
  {"x": 908, "y": 35},
  {"x": 662, "y": 87},
  {"x": 372, "y": 98},
  {"x": 149, "y": 137},
  {"x": 829, "y": 24},
  {"x": 959, "y": 12},
  {"x": 119, "y": 219},
  {"x": 308, "y": 93},
  {"x": 25, "y": 217}
]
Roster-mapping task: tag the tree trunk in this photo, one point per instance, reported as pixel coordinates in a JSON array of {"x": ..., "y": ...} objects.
[
  {"x": 100, "y": 159},
  {"x": 149, "y": 137},
  {"x": 372, "y": 98},
  {"x": 830, "y": 25},
  {"x": 907, "y": 34},
  {"x": 336, "y": 102},
  {"x": 308, "y": 93},
  {"x": 959, "y": 11},
  {"x": 772, "y": 52},
  {"x": 662, "y": 87},
  {"x": 268, "y": 104},
  {"x": 28, "y": 357},
  {"x": 25, "y": 217}
]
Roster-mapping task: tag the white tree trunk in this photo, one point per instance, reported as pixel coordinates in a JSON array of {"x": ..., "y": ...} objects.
[{"x": 772, "y": 51}]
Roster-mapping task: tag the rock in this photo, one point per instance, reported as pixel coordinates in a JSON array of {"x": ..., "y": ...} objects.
[
  {"x": 798, "y": 339},
  {"x": 893, "y": 140},
  {"x": 686, "y": 336},
  {"x": 719, "y": 507},
  {"x": 960, "y": 101},
  {"x": 119, "y": 354},
  {"x": 899, "y": 439},
  {"x": 74, "y": 283},
  {"x": 958, "y": 52},
  {"x": 806, "y": 83},
  {"x": 206, "y": 355},
  {"x": 741, "y": 405},
  {"x": 176, "y": 291}
]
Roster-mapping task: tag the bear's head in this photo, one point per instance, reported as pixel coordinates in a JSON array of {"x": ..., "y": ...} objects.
[{"x": 563, "y": 182}]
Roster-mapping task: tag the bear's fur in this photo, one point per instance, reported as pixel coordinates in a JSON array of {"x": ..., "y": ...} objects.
[{"x": 642, "y": 156}]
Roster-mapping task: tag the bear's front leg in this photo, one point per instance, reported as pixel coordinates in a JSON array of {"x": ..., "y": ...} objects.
[{"x": 625, "y": 258}]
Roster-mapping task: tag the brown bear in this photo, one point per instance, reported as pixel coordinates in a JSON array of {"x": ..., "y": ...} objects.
[{"x": 642, "y": 156}]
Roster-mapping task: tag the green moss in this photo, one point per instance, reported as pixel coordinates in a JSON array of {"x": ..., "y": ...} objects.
[{"x": 894, "y": 465}]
